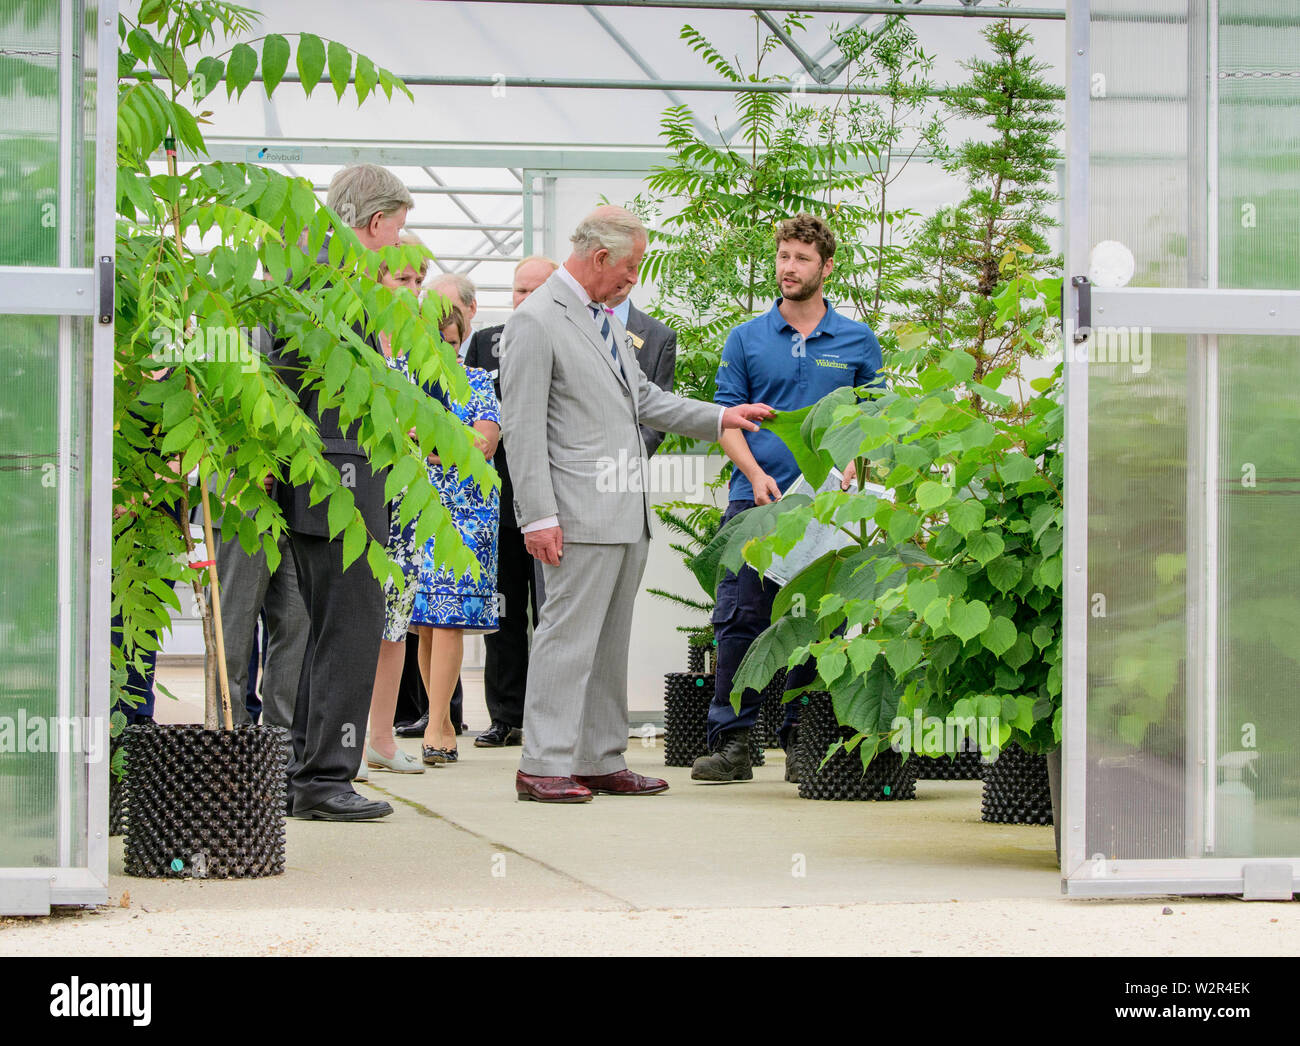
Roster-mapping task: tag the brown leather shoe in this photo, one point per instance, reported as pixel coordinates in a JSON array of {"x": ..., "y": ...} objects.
[
  {"x": 550, "y": 789},
  {"x": 623, "y": 782}
]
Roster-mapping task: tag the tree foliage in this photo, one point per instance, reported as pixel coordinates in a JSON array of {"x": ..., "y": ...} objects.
[{"x": 206, "y": 256}]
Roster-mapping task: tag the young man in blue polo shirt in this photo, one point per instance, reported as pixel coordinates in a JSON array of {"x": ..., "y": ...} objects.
[{"x": 790, "y": 357}]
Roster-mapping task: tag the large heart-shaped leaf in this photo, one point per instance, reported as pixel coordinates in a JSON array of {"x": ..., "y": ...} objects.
[
  {"x": 788, "y": 427},
  {"x": 999, "y": 636},
  {"x": 868, "y": 703},
  {"x": 770, "y": 653},
  {"x": 967, "y": 620},
  {"x": 725, "y": 551}
]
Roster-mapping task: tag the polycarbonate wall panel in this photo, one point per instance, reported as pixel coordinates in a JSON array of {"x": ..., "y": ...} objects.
[
  {"x": 48, "y": 745},
  {"x": 1259, "y": 598},
  {"x": 1193, "y": 741},
  {"x": 1138, "y": 190},
  {"x": 1259, "y": 441},
  {"x": 1137, "y": 625},
  {"x": 29, "y": 134},
  {"x": 34, "y": 664},
  {"x": 1259, "y": 144}
]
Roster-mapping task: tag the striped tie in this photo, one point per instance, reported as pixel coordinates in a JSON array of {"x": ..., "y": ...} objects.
[{"x": 598, "y": 313}]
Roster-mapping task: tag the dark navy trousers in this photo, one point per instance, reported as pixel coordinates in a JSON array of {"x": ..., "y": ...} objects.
[{"x": 744, "y": 610}]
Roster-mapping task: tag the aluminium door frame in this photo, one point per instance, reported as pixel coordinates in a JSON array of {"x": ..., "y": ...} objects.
[
  {"x": 1203, "y": 313},
  {"x": 72, "y": 293}
]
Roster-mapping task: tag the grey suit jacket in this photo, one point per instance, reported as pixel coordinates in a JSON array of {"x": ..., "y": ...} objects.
[
  {"x": 571, "y": 417},
  {"x": 656, "y": 352}
]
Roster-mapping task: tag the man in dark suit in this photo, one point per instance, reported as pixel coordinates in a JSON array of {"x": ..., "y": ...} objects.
[
  {"x": 505, "y": 668},
  {"x": 345, "y": 607},
  {"x": 656, "y": 352}
]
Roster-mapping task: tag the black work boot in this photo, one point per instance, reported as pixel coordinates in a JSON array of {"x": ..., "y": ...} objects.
[
  {"x": 729, "y": 763},
  {"x": 792, "y": 755}
]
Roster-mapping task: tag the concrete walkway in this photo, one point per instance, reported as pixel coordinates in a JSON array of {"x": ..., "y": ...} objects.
[{"x": 742, "y": 869}]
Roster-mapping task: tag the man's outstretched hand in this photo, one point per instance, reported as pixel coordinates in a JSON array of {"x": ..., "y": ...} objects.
[
  {"x": 746, "y": 416},
  {"x": 546, "y": 545}
]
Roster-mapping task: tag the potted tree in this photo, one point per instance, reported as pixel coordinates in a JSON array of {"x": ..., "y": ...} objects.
[{"x": 206, "y": 256}]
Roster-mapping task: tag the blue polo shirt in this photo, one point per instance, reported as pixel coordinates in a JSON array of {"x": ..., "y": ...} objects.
[{"x": 764, "y": 361}]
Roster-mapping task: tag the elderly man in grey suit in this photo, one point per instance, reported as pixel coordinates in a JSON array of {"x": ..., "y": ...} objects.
[{"x": 573, "y": 398}]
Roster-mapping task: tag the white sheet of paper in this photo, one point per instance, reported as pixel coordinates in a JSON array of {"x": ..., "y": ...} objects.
[{"x": 819, "y": 538}]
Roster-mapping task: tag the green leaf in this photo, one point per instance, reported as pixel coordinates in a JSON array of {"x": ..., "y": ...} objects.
[
  {"x": 999, "y": 636},
  {"x": 1021, "y": 651},
  {"x": 366, "y": 77},
  {"x": 1005, "y": 572},
  {"x": 1023, "y": 719},
  {"x": 754, "y": 523},
  {"x": 788, "y": 427},
  {"x": 1015, "y": 468},
  {"x": 340, "y": 63},
  {"x": 902, "y": 654},
  {"x": 930, "y": 495},
  {"x": 921, "y": 593},
  {"x": 967, "y": 620},
  {"x": 377, "y": 559},
  {"x": 868, "y": 703},
  {"x": 811, "y": 583},
  {"x": 207, "y": 74},
  {"x": 1043, "y": 636},
  {"x": 902, "y": 525},
  {"x": 181, "y": 436},
  {"x": 959, "y": 363},
  {"x": 354, "y": 542},
  {"x": 984, "y": 545},
  {"x": 310, "y": 60},
  {"x": 401, "y": 475},
  {"x": 831, "y": 664},
  {"x": 770, "y": 653},
  {"x": 341, "y": 508},
  {"x": 241, "y": 69},
  {"x": 935, "y": 613},
  {"x": 966, "y": 516},
  {"x": 275, "y": 60}
]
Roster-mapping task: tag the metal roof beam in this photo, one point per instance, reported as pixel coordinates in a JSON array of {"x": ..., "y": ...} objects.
[
  {"x": 812, "y": 7},
  {"x": 565, "y": 83}
]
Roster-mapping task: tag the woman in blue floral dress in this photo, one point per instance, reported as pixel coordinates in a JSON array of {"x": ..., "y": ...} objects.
[
  {"x": 381, "y": 752},
  {"x": 446, "y": 607}
]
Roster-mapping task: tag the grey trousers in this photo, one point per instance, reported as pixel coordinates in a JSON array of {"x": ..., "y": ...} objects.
[
  {"x": 575, "y": 718},
  {"x": 247, "y": 587}
]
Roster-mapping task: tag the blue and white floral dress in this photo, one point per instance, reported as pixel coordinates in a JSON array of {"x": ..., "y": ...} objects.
[
  {"x": 402, "y": 549},
  {"x": 441, "y": 600}
]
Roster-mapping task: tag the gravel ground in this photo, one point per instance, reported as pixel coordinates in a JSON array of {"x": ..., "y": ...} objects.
[{"x": 1217, "y": 927}]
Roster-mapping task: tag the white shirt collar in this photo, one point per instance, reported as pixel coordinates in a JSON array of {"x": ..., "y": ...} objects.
[{"x": 577, "y": 288}]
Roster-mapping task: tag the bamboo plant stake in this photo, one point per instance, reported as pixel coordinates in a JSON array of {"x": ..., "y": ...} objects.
[{"x": 213, "y": 633}]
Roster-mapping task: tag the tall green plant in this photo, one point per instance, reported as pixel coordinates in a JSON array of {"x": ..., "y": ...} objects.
[
  {"x": 946, "y": 595},
  {"x": 900, "y": 121},
  {"x": 207, "y": 255},
  {"x": 713, "y": 255},
  {"x": 1008, "y": 170}
]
